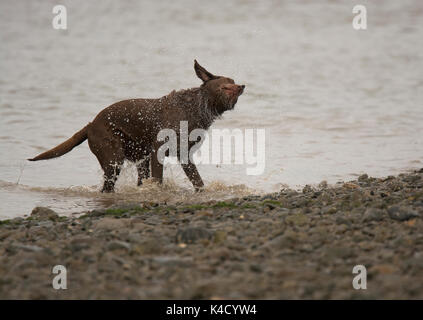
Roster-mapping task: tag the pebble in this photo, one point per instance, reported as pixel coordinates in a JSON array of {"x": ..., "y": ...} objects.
[
  {"x": 363, "y": 178},
  {"x": 192, "y": 234},
  {"x": 116, "y": 245},
  {"x": 174, "y": 261},
  {"x": 401, "y": 213},
  {"x": 373, "y": 214},
  {"x": 110, "y": 224},
  {"x": 25, "y": 247},
  {"x": 43, "y": 213}
]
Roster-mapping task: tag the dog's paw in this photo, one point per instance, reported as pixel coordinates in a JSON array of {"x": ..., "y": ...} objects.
[{"x": 199, "y": 189}]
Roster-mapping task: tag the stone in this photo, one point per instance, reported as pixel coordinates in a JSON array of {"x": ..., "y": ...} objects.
[
  {"x": 25, "y": 247},
  {"x": 110, "y": 224},
  {"x": 219, "y": 236},
  {"x": 401, "y": 213},
  {"x": 117, "y": 245},
  {"x": 148, "y": 246},
  {"x": 363, "y": 178},
  {"x": 43, "y": 213},
  {"x": 373, "y": 214},
  {"x": 298, "y": 219},
  {"x": 192, "y": 235},
  {"x": 174, "y": 261}
]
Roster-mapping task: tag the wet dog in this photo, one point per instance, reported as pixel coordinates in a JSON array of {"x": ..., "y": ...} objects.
[{"x": 128, "y": 129}]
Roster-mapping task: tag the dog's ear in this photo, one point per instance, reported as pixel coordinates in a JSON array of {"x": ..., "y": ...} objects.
[{"x": 202, "y": 73}]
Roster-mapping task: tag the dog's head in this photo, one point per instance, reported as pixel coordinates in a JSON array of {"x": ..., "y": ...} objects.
[{"x": 222, "y": 91}]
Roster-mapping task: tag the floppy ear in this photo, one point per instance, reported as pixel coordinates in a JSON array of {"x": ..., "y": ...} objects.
[{"x": 202, "y": 73}]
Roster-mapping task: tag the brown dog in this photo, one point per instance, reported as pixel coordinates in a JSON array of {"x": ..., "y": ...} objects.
[{"x": 128, "y": 129}]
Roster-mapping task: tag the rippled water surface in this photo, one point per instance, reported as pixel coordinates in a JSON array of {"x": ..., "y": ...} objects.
[{"x": 335, "y": 102}]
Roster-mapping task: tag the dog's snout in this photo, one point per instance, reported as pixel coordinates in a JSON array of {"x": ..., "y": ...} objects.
[{"x": 234, "y": 89}]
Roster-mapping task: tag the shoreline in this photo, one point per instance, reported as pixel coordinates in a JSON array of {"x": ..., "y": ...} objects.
[{"x": 285, "y": 245}]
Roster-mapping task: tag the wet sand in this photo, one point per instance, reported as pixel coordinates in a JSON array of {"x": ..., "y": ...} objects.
[{"x": 284, "y": 245}]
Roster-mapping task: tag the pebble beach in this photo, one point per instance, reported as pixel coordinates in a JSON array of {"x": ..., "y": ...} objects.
[{"x": 290, "y": 244}]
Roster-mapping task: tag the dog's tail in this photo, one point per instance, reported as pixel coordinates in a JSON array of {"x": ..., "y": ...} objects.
[{"x": 64, "y": 147}]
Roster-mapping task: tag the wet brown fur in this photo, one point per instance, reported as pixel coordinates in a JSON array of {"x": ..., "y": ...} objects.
[{"x": 128, "y": 129}]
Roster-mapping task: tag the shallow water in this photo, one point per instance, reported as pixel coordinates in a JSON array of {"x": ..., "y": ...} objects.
[{"x": 335, "y": 102}]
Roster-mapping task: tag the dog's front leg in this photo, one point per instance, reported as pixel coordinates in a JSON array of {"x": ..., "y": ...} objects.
[
  {"x": 157, "y": 166},
  {"x": 193, "y": 175},
  {"x": 143, "y": 169}
]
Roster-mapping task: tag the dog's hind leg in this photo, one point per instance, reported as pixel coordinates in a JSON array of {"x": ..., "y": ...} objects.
[
  {"x": 111, "y": 173},
  {"x": 143, "y": 168},
  {"x": 110, "y": 154}
]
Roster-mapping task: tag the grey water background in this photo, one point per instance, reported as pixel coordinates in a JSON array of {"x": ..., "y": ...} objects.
[{"x": 335, "y": 102}]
